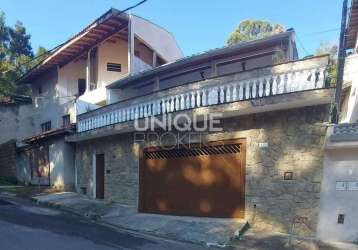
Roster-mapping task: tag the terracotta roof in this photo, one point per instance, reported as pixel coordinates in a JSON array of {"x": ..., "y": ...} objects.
[
  {"x": 14, "y": 99},
  {"x": 102, "y": 28},
  {"x": 50, "y": 134}
]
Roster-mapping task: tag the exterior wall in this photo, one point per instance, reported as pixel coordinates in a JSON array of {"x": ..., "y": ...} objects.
[
  {"x": 57, "y": 99},
  {"x": 68, "y": 76},
  {"x": 158, "y": 38},
  {"x": 211, "y": 68},
  {"x": 8, "y": 159},
  {"x": 61, "y": 156},
  {"x": 339, "y": 165},
  {"x": 8, "y": 122},
  {"x": 351, "y": 78},
  {"x": 109, "y": 52},
  {"x": 295, "y": 138}
]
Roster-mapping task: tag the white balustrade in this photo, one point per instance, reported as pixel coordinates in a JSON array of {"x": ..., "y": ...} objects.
[{"x": 263, "y": 86}]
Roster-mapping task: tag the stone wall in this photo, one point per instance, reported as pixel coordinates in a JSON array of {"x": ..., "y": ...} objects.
[
  {"x": 294, "y": 144},
  {"x": 8, "y": 159}
]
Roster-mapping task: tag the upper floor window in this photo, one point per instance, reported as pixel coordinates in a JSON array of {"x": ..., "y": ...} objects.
[
  {"x": 117, "y": 67},
  {"x": 66, "y": 120},
  {"x": 81, "y": 86},
  {"x": 46, "y": 126}
]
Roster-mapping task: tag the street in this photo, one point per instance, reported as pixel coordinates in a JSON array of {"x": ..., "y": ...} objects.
[{"x": 24, "y": 226}]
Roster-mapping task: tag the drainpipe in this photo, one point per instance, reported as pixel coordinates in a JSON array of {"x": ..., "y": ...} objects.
[
  {"x": 88, "y": 70},
  {"x": 340, "y": 64},
  {"x": 130, "y": 44}
]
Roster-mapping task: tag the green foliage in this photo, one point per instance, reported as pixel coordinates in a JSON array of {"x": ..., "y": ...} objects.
[
  {"x": 16, "y": 56},
  {"x": 332, "y": 51},
  {"x": 249, "y": 30}
]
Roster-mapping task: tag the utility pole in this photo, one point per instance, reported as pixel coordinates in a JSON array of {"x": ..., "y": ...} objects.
[{"x": 340, "y": 64}]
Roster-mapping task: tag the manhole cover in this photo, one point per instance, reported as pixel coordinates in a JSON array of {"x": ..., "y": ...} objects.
[{"x": 3, "y": 203}]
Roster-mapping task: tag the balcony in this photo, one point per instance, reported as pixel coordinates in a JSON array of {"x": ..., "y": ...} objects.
[{"x": 293, "y": 79}]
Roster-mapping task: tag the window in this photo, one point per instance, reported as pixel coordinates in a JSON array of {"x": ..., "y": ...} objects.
[
  {"x": 46, "y": 126},
  {"x": 81, "y": 86},
  {"x": 117, "y": 67},
  {"x": 66, "y": 120}
]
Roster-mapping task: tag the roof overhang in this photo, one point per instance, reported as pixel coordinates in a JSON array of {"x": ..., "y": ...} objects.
[
  {"x": 352, "y": 29},
  {"x": 101, "y": 29},
  {"x": 55, "y": 133}
]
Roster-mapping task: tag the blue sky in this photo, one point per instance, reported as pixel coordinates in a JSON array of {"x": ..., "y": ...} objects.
[{"x": 198, "y": 25}]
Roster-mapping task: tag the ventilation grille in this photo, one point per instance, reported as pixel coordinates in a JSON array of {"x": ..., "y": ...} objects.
[
  {"x": 117, "y": 67},
  {"x": 192, "y": 152}
]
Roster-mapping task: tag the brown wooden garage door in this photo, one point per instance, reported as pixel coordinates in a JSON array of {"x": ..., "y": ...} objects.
[{"x": 197, "y": 181}]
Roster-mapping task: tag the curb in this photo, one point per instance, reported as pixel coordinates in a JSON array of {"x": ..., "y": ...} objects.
[{"x": 97, "y": 219}]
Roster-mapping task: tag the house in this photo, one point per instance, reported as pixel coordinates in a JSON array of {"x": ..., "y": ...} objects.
[
  {"x": 265, "y": 162},
  {"x": 338, "y": 219},
  {"x": 73, "y": 79}
]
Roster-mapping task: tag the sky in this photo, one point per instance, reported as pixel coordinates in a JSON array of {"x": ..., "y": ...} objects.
[{"x": 197, "y": 25}]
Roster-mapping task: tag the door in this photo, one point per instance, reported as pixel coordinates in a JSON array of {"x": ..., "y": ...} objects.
[
  {"x": 195, "y": 181},
  {"x": 100, "y": 176},
  {"x": 40, "y": 166}
]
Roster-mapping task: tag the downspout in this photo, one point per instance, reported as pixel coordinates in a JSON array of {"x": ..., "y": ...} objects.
[
  {"x": 340, "y": 64},
  {"x": 130, "y": 45}
]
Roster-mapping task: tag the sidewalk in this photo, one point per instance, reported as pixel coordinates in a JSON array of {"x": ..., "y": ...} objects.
[
  {"x": 205, "y": 231},
  {"x": 190, "y": 229}
]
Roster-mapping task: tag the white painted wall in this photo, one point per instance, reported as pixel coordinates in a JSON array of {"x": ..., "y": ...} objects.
[
  {"x": 351, "y": 77},
  {"x": 162, "y": 41},
  {"x": 61, "y": 156},
  {"x": 340, "y": 164}
]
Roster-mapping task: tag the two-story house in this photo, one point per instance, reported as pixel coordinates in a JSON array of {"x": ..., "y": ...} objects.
[
  {"x": 265, "y": 162},
  {"x": 73, "y": 79}
]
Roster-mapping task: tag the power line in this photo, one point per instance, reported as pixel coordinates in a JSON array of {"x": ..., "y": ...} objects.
[{"x": 301, "y": 44}]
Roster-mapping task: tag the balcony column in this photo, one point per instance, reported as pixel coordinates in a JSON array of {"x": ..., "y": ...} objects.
[
  {"x": 88, "y": 71},
  {"x": 130, "y": 45},
  {"x": 154, "y": 62}
]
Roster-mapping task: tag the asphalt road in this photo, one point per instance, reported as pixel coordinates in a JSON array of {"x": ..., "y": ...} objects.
[{"x": 24, "y": 226}]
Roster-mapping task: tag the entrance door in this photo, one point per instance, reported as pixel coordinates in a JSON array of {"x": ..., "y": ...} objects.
[
  {"x": 40, "y": 166},
  {"x": 100, "y": 176},
  {"x": 196, "y": 181}
]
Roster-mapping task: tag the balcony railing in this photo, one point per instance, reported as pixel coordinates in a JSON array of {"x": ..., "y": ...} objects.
[
  {"x": 286, "y": 78},
  {"x": 345, "y": 132}
]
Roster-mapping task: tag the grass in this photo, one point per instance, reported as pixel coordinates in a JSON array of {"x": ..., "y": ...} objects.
[{"x": 25, "y": 191}]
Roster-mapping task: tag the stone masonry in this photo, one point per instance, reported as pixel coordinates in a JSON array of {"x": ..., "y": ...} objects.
[{"x": 294, "y": 144}]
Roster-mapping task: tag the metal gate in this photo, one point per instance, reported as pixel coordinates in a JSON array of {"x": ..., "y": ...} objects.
[{"x": 196, "y": 181}]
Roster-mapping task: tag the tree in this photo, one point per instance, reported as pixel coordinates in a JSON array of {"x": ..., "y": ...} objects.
[
  {"x": 249, "y": 30},
  {"x": 19, "y": 42},
  {"x": 16, "y": 56},
  {"x": 332, "y": 51}
]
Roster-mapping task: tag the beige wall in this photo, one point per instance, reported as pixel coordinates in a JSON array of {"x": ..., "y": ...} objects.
[{"x": 109, "y": 52}]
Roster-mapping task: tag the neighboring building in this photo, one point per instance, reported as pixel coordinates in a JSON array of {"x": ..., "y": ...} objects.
[
  {"x": 11, "y": 107},
  {"x": 73, "y": 80},
  {"x": 265, "y": 166},
  {"x": 339, "y": 203}
]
